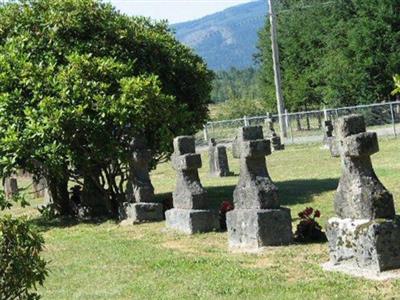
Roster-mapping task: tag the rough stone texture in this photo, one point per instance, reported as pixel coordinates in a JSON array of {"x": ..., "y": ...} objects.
[
  {"x": 140, "y": 191},
  {"x": 47, "y": 197},
  {"x": 360, "y": 194},
  {"x": 276, "y": 143},
  {"x": 222, "y": 161},
  {"x": 255, "y": 188},
  {"x": 212, "y": 145},
  {"x": 330, "y": 141},
  {"x": 10, "y": 187},
  {"x": 192, "y": 221},
  {"x": 143, "y": 212},
  {"x": 218, "y": 160},
  {"x": 257, "y": 220},
  {"x": 191, "y": 211},
  {"x": 255, "y": 228},
  {"x": 365, "y": 244},
  {"x": 333, "y": 146},
  {"x": 23, "y": 173},
  {"x": 143, "y": 190},
  {"x": 366, "y": 234}
]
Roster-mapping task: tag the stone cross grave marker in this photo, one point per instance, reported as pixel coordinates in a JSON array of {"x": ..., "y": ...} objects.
[
  {"x": 191, "y": 212},
  {"x": 141, "y": 206},
  {"x": 258, "y": 220},
  {"x": 275, "y": 139},
  {"x": 10, "y": 187},
  {"x": 365, "y": 234},
  {"x": 39, "y": 187}
]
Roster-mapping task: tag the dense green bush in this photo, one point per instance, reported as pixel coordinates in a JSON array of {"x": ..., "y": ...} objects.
[
  {"x": 239, "y": 107},
  {"x": 78, "y": 81},
  {"x": 21, "y": 267}
]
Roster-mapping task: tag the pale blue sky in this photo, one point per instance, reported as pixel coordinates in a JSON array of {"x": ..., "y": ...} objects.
[{"x": 174, "y": 10}]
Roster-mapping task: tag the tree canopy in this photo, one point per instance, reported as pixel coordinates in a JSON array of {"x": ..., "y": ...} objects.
[
  {"x": 333, "y": 53},
  {"x": 79, "y": 80}
]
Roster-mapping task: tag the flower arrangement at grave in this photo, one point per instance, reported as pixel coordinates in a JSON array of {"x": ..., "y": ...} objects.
[
  {"x": 225, "y": 207},
  {"x": 309, "y": 230}
]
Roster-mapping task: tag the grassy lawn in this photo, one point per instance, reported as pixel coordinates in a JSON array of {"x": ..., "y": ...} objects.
[{"x": 107, "y": 261}]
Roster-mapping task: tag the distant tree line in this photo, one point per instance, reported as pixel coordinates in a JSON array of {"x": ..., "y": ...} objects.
[
  {"x": 237, "y": 93},
  {"x": 236, "y": 84}
]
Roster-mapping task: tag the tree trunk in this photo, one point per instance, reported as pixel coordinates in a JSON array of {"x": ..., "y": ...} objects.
[
  {"x": 94, "y": 196},
  {"x": 58, "y": 188}
]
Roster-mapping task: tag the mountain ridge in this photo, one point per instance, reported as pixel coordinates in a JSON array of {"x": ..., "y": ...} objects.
[{"x": 225, "y": 39}]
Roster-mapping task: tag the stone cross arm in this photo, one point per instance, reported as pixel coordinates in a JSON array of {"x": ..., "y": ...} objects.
[
  {"x": 255, "y": 148},
  {"x": 360, "y": 144},
  {"x": 191, "y": 161}
]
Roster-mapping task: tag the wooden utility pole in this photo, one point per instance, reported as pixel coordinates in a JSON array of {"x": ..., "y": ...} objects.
[{"x": 277, "y": 71}]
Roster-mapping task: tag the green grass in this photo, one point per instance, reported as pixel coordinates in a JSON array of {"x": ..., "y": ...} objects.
[{"x": 107, "y": 261}]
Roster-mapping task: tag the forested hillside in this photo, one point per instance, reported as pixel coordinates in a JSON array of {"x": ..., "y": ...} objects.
[
  {"x": 226, "y": 39},
  {"x": 334, "y": 53}
]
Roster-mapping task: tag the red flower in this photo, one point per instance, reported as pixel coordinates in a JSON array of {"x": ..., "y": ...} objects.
[
  {"x": 317, "y": 214},
  {"x": 226, "y": 206},
  {"x": 308, "y": 212}
]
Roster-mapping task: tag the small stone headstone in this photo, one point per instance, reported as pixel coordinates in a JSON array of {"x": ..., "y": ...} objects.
[
  {"x": 328, "y": 129},
  {"x": 191, "y": 212},
  {"x": 47, "y": 197},
  {"x": 330, "y": 141},
  {"x": 39, "y": 187},
  {"x": 212, "y": 145},
  {"x": 365, "y": 234},
  {"x": 235, "y": 148},
  {"x": 10, "y": 187},
  {"x": 258, "y": 220},
  {"x": 276, "y": 143},
  {"x": 141, "y": 207},
  {"x": 218, "y": 159}
]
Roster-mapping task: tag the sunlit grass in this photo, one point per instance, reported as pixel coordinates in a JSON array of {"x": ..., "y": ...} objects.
[{"x": 107, "y": 261}]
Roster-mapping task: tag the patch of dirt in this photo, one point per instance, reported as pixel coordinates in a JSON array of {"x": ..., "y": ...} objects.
[
  {"x": 179, "y": 246},
  {"x": 260, "y": 263}
]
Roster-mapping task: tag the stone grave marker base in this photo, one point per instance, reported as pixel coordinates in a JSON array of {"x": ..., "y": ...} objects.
[
  {"x": 351, "y": 270},
  {"x": 192, "y": 221},
  {"x": 144, "y": 212},
  {"x": 364, "y": 244},
  {"x": 252, "y": 229}
]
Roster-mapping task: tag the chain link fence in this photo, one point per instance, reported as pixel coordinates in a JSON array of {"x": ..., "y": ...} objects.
[{"x": 308, "y": 127}]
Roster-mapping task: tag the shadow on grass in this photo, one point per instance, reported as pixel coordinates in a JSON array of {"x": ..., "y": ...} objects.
[
  {"x": 45, "y": 224},
  {"x": 301, "y": 191},
  {"x": 290, "y": 192}
]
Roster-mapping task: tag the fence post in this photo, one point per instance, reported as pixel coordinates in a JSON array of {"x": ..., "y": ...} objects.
[
  {"x": 325, "y": 114},
  {"x": 288, "y": 125},
  {"x": 246, "y": 121},
  {"x": 393, "y": 120},
  {"x": 205, "y": 130}
]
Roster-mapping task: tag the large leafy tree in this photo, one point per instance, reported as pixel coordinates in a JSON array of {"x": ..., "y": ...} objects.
[
  {"x": 336, "y": 53},
  {"x": 78, "y": 81}
]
